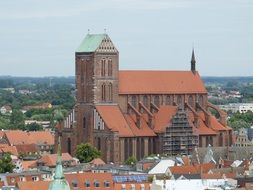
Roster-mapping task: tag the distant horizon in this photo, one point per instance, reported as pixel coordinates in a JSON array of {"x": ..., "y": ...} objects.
[{"x": 73, "y": 76}]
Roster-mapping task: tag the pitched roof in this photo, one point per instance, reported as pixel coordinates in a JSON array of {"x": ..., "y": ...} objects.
[
  {"x": 50, "y": 159},
  {"x": 29, "y": 164},
  {"x": 163, "y": 117},
  {"x": 91, "y": 42},
  {"x": 142, "y": 130},
  {"x": 16, "y": 137},
  {"x": 114, "y": 119},
  {"x": 33, "y": 185},
  {"x": 97, "y": 162},
  {"x": 80, "y": 179},
  {"x": 160, "y": 82},
  {"x": 8, "y": 149},
  {"x": 161, "y": 167},
  {"x": 27, "y": 148}
]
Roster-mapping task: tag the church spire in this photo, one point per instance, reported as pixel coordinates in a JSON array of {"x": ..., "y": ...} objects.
[
  {"x": 193, "y": 62},
  {"x": 59, "y": 181}
]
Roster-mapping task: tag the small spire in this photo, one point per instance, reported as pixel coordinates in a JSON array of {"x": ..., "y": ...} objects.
[
  {"x": 193, "y": 61},
  {"x": 88, "y": 31},
  {"x": 59, "y": 169},
  {"x": 105, "y": 30}
]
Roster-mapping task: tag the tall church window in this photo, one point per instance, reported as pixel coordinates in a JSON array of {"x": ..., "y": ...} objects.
[
  {"x": 201, "y": 100},
  {"x": 190, "y": 101},
  {"x": 134, "y": 101},
  {"x": 84, "y": 122},
  {"x": 167, "y": 100},
  {"x": 109, "y": 67},
  {"x": 103, "y": 67},
  {"x": 157, "y": 100},
  {"x": 103, "y": 92},
  {"x": 99, "y": 143},
  {"x": 145, "y": 100},
  {"x": 69, "y": 145},
  {"x": 179, "y": 101},
  {"x": 110, "y": 92}
]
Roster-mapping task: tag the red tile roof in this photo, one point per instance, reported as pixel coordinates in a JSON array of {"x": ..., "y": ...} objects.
[
  {"x": 29, "y": 164},
  {"x": 50, "y": 159},
  {"x": 163, "y": 117},
  {"x": 15, "y": 137},
  {"x": 160, "y": 82},
  {"x": 8, "y": 149},
  {"x": 27, "y": 148},
  {"x": 97, "y": 162},
  {"x": 80, "y": 178},
  {"x": 142, "y": 130},
  {"x": 114, "y": 119},
  {"x": 33, "y": 185}
]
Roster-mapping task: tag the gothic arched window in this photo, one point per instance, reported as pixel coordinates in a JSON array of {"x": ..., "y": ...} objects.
[
  {"x": 179, "y": 101},
  {"x": 157, "y": 100},
  {"x": 134, "y": 101},
  {"x": 84, "y": 122},
  {"x": 200, "y": 100},
  {"x": 69, "y": 145},
  {"x": 190, "y": 101},
  {"x": 109, "y": 67},
  {"x": 103, "y": 92},
  {"x": 103, "y": 67},
  {"x": 167, "y": 100},
  {"x": 145, "y": 100},
  {"x": 110, "y": 92}
]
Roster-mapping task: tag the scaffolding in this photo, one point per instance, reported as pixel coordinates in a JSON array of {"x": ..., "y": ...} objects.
[{"x": 179, "y": 138}]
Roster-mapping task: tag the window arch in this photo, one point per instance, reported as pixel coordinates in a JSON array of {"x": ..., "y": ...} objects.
[
  {"x": 109, "y": 67},
  {"x": 99, "y": 143},
  {"x": 157, "y": 100},
  {"x": 134, "y": 101},
  {"x": 145, "y": 100},
  {"x": 200, "y": 100},
  {"x": 69, "y": 145},
  {"x": 167, "y": 100},
  {"x": 179, "y": 101},
  {"x": 84, "y": 122},
  {"x": 190, "y": 101},
  {"x": 103, "y": 67},
  {"x": 110, "y": 92},
  {"x": 103, "y": 93}
]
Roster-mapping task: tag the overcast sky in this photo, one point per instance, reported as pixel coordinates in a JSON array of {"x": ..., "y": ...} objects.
[{"x": 39, "y": 37}]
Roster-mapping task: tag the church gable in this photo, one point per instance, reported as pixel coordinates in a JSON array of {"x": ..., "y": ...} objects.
[{"x": 106, "y": 46}]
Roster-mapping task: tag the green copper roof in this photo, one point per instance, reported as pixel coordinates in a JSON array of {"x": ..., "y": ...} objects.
[
  {"x": 91, "y": 43},
  {"x": 59, "y": 182}
]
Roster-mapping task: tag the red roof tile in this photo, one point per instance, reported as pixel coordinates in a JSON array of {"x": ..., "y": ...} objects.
[
  {"x": 160, "y": 82},
  {"x": 163, "y": 117},
  {"x": 97, "y": 162},
  {"x": 22, "y": 137},
  {"x": 50, "y": 159},
  {"x": 33, "y": 185},
  {"x": 142, "y": 130},
  {"x": 8, "y": 149},
  {"x": 114, "y": 119}
]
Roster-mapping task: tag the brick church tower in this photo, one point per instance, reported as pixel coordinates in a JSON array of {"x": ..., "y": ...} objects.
[{"x": 97, "y": 63}]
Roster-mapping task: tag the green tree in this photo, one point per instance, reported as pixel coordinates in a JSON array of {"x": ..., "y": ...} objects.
[
  {"x": 237, "y": 124},
  {"x": 34, "y": 127},
  {"x": 86, "y": 152},
  {"x": 17, "y": 120},
  {"x": 6, "y": 164},
  {"x": 131, "y": 160}
]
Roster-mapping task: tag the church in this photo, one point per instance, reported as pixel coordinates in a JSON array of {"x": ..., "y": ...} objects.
[{"x": 137, "y": 113}]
